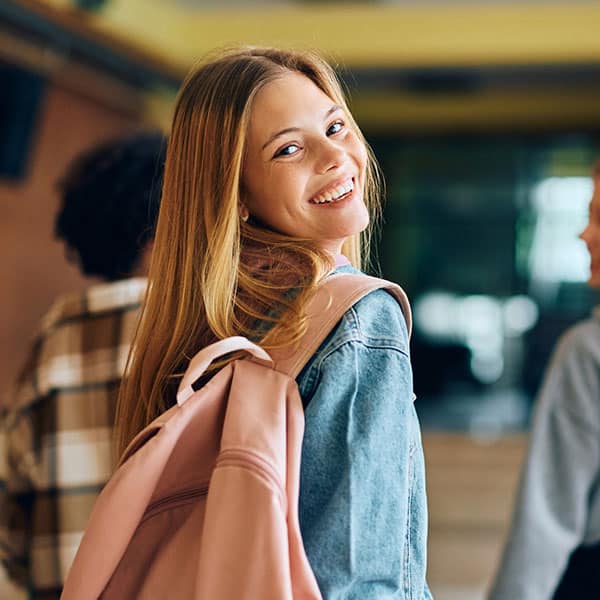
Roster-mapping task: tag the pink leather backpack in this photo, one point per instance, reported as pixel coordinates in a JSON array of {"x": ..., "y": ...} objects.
[{"x": 203, "y": 505}]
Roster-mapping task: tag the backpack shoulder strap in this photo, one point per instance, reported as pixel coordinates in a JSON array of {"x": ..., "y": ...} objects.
[
  {"x": 196, "y": 368},
  {"x": 333, "y": 298}
]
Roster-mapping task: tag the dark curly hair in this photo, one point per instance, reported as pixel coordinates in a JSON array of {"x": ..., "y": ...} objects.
[{"x": 109, "y": 204}]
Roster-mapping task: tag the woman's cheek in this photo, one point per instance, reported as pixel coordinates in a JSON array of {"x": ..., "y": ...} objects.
[{"x": 362, "y": 153}]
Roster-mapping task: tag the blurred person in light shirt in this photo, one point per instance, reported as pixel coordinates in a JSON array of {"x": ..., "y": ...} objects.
[{"x": 553, "y": 548}]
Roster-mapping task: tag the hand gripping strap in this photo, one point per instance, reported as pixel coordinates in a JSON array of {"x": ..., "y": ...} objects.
[
  {"x": 333, "y": 298},
  {"x": 200, "y": 362}
]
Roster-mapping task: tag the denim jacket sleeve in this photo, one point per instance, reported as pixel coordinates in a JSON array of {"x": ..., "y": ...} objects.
[{"x": 362, "y": 505}]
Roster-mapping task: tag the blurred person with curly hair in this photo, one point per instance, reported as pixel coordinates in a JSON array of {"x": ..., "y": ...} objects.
[{"x": 56, "y": 438}]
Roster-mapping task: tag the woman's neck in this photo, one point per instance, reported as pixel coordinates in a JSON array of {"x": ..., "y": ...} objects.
[{"x": 340, "y": 260}]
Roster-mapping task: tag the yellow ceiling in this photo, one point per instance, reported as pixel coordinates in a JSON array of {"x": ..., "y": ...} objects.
[
  {"x": 364, "y": 35},
  {"x": 374, "y": 35}
]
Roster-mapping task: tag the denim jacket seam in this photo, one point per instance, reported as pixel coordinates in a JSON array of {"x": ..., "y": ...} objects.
[
  {"x": 349, "y": 330},
  {"x": 407, "y": 537},
  {"x": 376, "y": 339},
  {"x": 312, "y": 375},
  {"x": 368, "y": 343},
  {"x": 352, "y": 332}
]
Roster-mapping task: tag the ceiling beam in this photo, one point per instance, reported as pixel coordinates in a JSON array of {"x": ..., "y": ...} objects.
[
  {"x": 512, "y": 110},
  {"x": 56, "y": 38}
]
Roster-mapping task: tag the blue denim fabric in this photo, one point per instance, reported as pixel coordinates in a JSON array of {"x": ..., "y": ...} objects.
[{"x": 362, "y": 507}]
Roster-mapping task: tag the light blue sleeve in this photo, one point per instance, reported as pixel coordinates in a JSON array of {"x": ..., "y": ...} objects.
[
  {"x": 363, "y": 513},
  {"x": 560, "y": 473}
]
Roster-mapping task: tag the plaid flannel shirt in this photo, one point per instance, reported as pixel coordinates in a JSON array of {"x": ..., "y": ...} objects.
[{"x": 56, "y": 443}]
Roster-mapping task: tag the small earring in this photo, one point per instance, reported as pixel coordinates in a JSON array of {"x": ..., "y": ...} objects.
[{"x": 244, "y": 214}]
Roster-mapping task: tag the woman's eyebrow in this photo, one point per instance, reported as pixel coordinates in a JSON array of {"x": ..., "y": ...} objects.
[
  {"x": 333, "y": 109},
  {"x": 278, "y": 134}
]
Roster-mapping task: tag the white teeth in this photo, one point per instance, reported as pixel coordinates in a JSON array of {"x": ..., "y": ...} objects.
[{"x": 335, "y": 194}]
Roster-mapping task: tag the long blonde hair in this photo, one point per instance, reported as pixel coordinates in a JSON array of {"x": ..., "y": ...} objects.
[{"x": 212, "y": 275}]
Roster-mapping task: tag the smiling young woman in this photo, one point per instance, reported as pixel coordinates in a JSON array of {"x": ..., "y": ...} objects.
[
  {"x": 269, "y": 187},
  {"x": 305, "y": 164}
]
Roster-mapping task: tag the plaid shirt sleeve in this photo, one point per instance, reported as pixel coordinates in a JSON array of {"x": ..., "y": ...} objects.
[
  {"x": 15, "y": 491},
  {"x": 56, "y": 433}
]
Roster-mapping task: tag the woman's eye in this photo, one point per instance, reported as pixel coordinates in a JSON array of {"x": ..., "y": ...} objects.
[
  {"x": 335, "y": 128},
  {"x": 288, "y": 150}
]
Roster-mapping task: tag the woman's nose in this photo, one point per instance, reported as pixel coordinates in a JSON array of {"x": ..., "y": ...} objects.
[{"x": 331, "y": 156}]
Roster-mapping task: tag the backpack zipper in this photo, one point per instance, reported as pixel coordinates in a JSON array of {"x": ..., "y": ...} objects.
[
  {"x": 230, "y": 457},
  {"x": 177, "y": 499},
  {"x": 246, "y": 458}
]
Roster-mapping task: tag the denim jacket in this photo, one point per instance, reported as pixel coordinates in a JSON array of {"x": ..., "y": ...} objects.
[{"x": 363, "y": 509}]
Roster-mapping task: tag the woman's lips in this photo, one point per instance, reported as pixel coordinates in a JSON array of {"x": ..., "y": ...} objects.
[{"x": 337, "y": 192}]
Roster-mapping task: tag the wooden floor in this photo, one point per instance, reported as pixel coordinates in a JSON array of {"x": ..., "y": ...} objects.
[{"x": 471, "y": 484}]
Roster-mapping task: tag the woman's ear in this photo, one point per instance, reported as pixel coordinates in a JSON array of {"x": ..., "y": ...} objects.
[{"x": 244, "y": 212}]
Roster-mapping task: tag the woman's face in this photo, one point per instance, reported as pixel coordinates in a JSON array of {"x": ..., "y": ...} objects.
[
  {"x": 305, "y": 165},
  {"x": 591, "y": 235}
]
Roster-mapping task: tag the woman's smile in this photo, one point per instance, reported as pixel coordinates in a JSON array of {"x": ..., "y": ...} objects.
[{"x": 335, "y": 193}]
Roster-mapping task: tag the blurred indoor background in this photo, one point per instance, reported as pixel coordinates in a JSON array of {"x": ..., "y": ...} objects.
[{"x": 485, "y": 116}]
